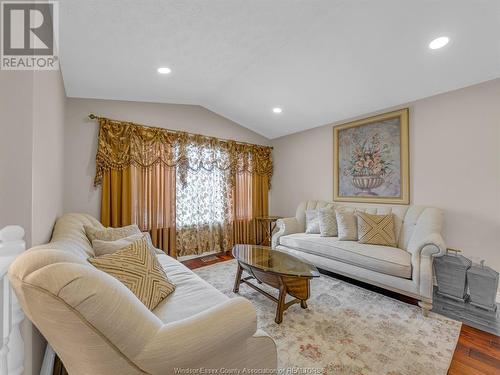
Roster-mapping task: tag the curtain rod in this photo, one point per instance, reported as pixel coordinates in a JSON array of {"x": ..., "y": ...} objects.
[{"x": 94, "y": 117}]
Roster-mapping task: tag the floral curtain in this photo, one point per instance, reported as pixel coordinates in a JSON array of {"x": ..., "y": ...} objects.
[
  {"x": 204, "y": 213},
  {"x": 192, "y": 193}
]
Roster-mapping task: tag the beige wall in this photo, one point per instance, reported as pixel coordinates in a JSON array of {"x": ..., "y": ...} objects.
[
  {"x": 31, "y": 167},
  {"x": 31, "y": 148},
  {"x": 81, "y": 139},
  {"x": 16, "y": 140},
  {"x": 49, "y": 100},
  {"x": 455, "y": 165}
]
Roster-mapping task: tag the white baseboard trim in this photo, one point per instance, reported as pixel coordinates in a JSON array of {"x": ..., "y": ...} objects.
[{"x": 48, "y": 361}]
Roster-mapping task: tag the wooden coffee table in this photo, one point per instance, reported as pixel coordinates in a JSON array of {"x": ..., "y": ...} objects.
[{"x": 285, "y": 272}]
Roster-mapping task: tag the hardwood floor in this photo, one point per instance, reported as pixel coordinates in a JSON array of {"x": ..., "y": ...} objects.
[
  {"x": 477, "y": 352},
  {"x": 206, "y": 261}
]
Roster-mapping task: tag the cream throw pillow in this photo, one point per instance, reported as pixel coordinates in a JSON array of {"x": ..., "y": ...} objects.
[
  {"x": 138, "y": 269},
  {"x": 147, "y": 236},
  {"x": 312, "y": 222},
  {"x": 327, "y": 222},
  {"x": 110, "y": 247},
  {"x": 376, "y": 229},
  {"x": 110, "y": 234},
  {"x": 347, "y": 226}
]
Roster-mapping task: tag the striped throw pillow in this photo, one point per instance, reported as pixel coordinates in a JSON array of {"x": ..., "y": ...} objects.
[{"x": 137, "y": 267}]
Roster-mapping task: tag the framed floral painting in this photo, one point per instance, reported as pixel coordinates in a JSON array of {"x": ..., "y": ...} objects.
[{"x": 371, "y": 159}]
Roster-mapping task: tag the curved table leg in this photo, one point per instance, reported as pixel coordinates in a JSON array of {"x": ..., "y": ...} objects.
[
  {"x": 237, "y": 281},
  {"x": 281, "y": 304}
]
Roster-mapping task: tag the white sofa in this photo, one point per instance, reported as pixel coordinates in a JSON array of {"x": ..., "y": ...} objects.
[
  {"x": 97, "y": 326},
  {"x": 406, "y": 269}
]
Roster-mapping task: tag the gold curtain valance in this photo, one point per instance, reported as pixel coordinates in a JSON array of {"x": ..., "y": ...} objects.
[{"x": 122, "y": 144}]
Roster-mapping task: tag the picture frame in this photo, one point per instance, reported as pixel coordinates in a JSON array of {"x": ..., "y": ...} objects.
[{"x": 371, "y": 162}]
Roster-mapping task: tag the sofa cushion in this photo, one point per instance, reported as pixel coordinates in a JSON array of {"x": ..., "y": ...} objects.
[
  {"x": 399, "y": 212},
  {"x": 110, "y": 234},
  {"x": 192, "y": 294},
  {"x": 347, "y": 226},
  {"x": 376, "y": 229},
  {"x": 109, "y": 247},
  {"x": 327, "y": 222},
  {"x": 312, "y": 221},
  {"x": 137, "y": 267},
  {"x": 384, "y": 259}
]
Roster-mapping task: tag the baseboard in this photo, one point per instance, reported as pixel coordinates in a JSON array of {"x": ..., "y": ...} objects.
[{"x": 48, "y": 361}]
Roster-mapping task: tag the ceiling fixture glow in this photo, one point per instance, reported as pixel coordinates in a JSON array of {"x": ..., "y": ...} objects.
[
  {"x": 277, "y": 110},
  {"x": 164, "y": 70},
  {"x": 439, "y": 42}
]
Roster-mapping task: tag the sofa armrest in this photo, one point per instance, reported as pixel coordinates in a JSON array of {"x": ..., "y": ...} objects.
[
  {"x": 430, "y": 245},
  {"x": 285, "y": 226},
  {"x": 423, "y": 252},
  {"x": 193, "y": 340}
]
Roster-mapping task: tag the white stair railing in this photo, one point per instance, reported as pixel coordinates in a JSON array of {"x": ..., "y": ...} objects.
[{"x": 12, "y": 351}]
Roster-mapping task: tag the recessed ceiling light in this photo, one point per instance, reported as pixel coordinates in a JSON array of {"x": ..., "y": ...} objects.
[
  {"x": 277, "y": 110},
  {"x": 164, "y": 70},
  {"x": 439, "y": 42}
]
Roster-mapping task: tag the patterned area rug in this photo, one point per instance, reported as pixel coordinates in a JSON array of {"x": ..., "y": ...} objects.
[{"x": 348, "y": 329}]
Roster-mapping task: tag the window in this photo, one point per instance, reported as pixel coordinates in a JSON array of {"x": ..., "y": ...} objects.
[{"x": 205, "y": 197}]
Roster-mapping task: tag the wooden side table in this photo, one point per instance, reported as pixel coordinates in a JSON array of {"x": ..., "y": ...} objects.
[{"x": 268, "y": 223}]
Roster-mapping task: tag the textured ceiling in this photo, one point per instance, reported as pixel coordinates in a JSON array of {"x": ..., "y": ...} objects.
[{"x": 321, "y": 61}]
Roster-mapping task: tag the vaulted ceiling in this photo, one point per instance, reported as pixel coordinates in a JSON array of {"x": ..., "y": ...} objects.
[{"x": 319, "y": 60}]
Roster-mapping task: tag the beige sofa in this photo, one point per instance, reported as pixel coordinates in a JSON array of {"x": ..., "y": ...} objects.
[
  {"x": 406, "y": 269},
  {"x": 97, "y": 326}
]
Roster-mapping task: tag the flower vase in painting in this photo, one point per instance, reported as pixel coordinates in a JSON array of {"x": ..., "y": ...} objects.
[{"x": 371, "y": 159}]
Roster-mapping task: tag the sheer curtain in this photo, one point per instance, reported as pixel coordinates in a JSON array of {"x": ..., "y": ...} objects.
[{"x": 203, "y": 207}]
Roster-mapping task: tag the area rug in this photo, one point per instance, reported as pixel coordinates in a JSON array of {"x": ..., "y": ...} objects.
[{"x": 348, "y": 330}]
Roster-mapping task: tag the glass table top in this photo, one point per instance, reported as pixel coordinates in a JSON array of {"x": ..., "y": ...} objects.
[{"x": 267, "y": 259}]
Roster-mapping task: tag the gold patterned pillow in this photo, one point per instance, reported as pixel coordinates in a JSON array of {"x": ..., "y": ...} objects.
[
  {"x": 376, "y": 229},
  {"x": 138, "y": 269},
  {"x": 110, "y": 234}
]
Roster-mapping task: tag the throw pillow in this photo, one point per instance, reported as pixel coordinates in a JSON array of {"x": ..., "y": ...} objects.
[
  {"x": 147, "y": 236},
  {"x": 138, "y": 269},
  {"x": 347, "y": 227},
  {"x": 376, "y": 229},
  {"x": 312, "y": 221},
  {"x": 327, "y": 222},
  {"x": 110, "y": 234},
  {"x": 109, "y": 247}
]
